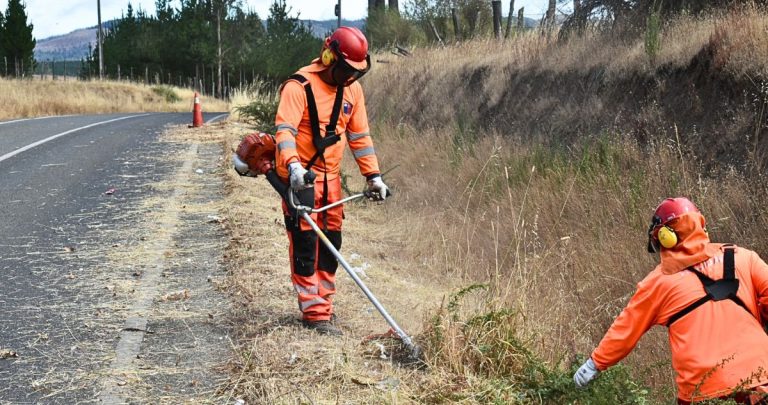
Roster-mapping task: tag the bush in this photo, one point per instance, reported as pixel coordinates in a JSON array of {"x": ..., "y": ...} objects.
[
  {"x": 260, "y": 112},
  {"x": 167, "y": 92},
  {"x": 489, "y": 346}
]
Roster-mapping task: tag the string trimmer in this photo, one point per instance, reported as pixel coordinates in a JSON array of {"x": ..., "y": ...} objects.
[{"x": 255, "y": 155}]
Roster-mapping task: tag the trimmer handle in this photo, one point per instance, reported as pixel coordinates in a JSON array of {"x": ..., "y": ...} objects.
[{"x": 309, "y": 177}]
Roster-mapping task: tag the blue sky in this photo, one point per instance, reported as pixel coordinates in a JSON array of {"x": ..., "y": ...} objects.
[{"x": 55, "y": 17}]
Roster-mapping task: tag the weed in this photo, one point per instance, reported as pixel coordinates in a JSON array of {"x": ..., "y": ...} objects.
[
  {"x": 653, "y": 33},
  {"x": 167, "y": 92}
]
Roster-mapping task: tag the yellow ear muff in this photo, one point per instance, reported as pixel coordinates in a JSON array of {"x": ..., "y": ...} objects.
[
  {"x": 667, "y": 237},
  {"x": 327, "y": 57}
]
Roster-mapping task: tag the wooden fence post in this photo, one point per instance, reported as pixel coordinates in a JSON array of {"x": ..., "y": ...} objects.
[
  {"x": 496, "y": 6},
  {"x": 509, "y": 18},
  {"x": 520, "y": 20}
]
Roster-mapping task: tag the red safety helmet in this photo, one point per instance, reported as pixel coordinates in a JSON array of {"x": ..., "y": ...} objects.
[
  {"x": 660, "y": 234},
  {"x": 348, "y": 44}
]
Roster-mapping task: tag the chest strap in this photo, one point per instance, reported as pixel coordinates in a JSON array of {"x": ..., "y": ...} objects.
[
  {"x": 723, "y": 289},
  {"x": 331, "y": 137},
  {"x": 319, "y": 141}
]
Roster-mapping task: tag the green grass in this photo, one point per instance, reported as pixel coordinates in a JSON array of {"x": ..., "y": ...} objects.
[{"x": 167, "y": 93}]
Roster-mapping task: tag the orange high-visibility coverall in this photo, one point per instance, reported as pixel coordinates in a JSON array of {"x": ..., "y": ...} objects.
[
  {"x": 716, "y": 347},
  {"x": 313, "y": 267}
]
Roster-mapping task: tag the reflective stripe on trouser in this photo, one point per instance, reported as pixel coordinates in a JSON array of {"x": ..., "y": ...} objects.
[{"x": 313, "y": 267}]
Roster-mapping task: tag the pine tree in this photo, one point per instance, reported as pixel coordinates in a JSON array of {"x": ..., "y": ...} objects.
[
  {"x": 17, "y": 40},
  {"x": 289, "y": 44}
]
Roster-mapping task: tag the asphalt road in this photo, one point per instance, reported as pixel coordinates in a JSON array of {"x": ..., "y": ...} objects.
[{"x": 69, "y": 191}]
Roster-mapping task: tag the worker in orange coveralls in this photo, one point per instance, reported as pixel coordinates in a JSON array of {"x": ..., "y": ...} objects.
[
  {"x": 322, "y": 108},
  {"x": 712, "y": 297}
]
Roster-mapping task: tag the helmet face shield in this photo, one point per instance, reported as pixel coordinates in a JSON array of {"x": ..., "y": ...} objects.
[{"x": 344, "y": 74}]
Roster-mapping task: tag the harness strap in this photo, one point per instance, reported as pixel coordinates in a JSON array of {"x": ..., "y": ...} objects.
[
  {"x": 318, "y": 141},
  {"x": 725, "y": 288}
]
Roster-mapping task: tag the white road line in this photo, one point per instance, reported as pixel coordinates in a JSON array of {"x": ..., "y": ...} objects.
[
  {"x": 50, "y": 138},
  {"x": 216, "y": 118},
  {"x": 34, "y": 119},
  {"x": 147, "y": 291}
]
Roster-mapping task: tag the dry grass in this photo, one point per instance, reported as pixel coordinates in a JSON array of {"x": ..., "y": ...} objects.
[
  {"x": 553, "y": 232},
  {"x": 36, "y": 98},
  {"x": 278, "y": 361},
  {"x": 558, "y": 237},
  {"x": 556, "y": 229}
]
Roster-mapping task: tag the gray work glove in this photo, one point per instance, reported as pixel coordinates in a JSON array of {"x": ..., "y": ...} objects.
[
  {"x": 586, "y": 373},
  {"x": 297, "y": 173},
  {"x": 378, "y": 189}
]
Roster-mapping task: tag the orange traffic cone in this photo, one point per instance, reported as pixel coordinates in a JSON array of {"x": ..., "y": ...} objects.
[{"x": 197, "y": 113}]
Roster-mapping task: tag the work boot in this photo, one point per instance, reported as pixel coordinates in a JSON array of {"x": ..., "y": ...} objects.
[{"x": 323, "y": 327}]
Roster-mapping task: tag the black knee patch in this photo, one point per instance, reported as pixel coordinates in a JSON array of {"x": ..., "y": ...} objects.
[
  {"x": 326, "y": 261},
  {"x": 304, "y": 246}
]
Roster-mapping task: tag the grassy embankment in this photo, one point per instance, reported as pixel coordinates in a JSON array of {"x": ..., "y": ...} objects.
[
  {"x": 526, "y": 173},
  {"x": 533, "y": 167},
  {"x": 37, "y": 98}
]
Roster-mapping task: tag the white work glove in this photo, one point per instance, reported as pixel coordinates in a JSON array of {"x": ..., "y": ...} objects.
[
  {"x": 241, "y": 167},
  {"x": 586, "y": 373},
  {"x": 297, "y": 172},
  {"x": 379, "y": 190}
]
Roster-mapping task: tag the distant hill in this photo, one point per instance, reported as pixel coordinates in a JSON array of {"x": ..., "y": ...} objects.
[{"x": 74, "y": 46}]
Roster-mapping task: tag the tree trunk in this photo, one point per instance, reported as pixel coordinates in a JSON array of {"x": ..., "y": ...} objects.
[
  {"x": 379, "y": 4},
  {"x": 394, "y": 7},
  {"x": 456, "y": 28},
  {"x": 220, "y": 58},
  {"x": 551, "y": 14},
  {"x": 496, "y": 8}
]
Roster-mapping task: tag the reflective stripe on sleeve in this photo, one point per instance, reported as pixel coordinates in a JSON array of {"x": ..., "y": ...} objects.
[
  {"x": 287, "y": 127},
  {"x": 363, "y": 152},
  {"x": 353, "y": 136},
  {"x": 285, "y": 144}
]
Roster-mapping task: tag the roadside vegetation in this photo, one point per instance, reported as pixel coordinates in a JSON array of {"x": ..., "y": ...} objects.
[
  {"x": 36, "y": 98},
  {"x": 525, "y": 172},
  {"x": 533, "y": 189}
]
